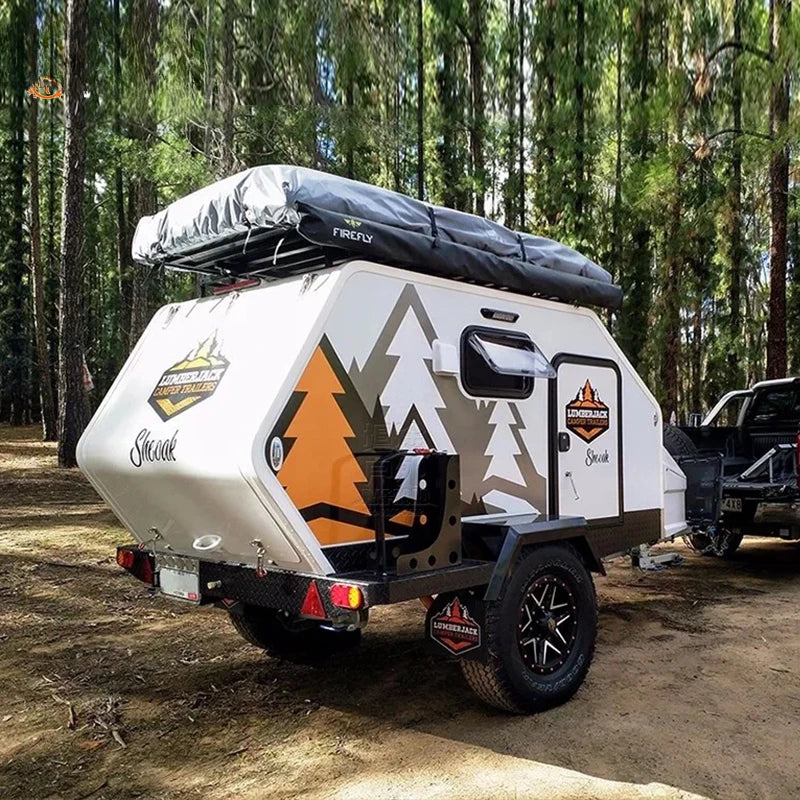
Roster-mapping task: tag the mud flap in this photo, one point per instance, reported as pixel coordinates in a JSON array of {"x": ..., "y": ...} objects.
[{"x": 455, "y": 625}]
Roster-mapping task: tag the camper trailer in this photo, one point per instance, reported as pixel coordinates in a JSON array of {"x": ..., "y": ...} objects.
[{"x": 377, "y": 400}]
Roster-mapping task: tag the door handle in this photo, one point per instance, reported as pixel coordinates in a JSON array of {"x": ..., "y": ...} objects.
[
  {"x": 574, "y": 489},
  {"x": 563, "y": 442}
]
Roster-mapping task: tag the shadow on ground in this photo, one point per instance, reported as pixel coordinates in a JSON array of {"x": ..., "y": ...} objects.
[{"x": 110, "y": 692}]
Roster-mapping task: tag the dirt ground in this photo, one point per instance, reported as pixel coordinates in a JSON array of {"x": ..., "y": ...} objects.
[{"x": 108, "y": 692}]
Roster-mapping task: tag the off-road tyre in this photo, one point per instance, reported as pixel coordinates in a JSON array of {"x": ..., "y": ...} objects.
[
  {"x": 506, "y": 681},
  {"x": 678, "y": 443},
  {"x": 270, "y": 631}
]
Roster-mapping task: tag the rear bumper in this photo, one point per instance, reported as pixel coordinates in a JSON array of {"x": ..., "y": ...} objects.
[
  {"x": 772, "y": 513},
  {"x": 286, "y": 591},
  {"x": 779, "y": 518}
]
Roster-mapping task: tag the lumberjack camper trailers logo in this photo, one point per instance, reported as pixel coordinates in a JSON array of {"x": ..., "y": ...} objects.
[
  {"x": 190, "y": 381},
  {"x": 587, "y": 414},
  {"x": 351, "y": 232},
  {"x": 454, "y": 628},
  {"x": 45, "y": 89}
]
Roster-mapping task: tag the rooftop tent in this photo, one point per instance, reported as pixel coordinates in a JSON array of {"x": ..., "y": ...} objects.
[{"x": 278, "y": 220}]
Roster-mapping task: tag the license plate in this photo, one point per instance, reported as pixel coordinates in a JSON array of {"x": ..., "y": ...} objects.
[
  {"x": 732, "y": 504},
  {"x": 180, "y": 584}
]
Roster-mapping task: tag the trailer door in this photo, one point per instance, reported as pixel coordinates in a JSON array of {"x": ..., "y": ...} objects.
[{"x": 586, "y": 437}]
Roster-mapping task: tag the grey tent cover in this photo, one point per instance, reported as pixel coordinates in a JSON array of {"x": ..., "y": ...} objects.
[{"x": 280, "y": 197}]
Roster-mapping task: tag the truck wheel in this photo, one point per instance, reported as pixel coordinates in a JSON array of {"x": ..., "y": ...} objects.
[
  {"x": 279, "y": 636},
  {"x": 723, "y": 545},
  {"x": 540, "y": 633},
  {"x": 728, "y": 544},
  {"x": 701, "y": 543}
]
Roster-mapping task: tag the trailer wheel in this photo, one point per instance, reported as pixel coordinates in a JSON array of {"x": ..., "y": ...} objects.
[
  {"x": 540, "y": 633},
  {"x": 279, "y": 636}
]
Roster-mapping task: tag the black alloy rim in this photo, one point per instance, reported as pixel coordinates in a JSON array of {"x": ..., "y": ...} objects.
[{"x": 548, "y": 624}]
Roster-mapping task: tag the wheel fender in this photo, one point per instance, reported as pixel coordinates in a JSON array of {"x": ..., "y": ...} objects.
[{"x": 516, "y": 538}]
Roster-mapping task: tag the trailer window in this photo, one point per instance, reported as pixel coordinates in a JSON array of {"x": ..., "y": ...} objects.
[{"x": 501, "y": 364}]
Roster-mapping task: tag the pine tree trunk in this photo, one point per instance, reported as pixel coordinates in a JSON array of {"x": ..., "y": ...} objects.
[
  {"x": 144, "y": 64},
  {"x": 478, "y": 105},
  {"x": 49, "y": 418},
  {"x": 736, "y": 254},
  {"x": 72, "y": 411},
  {"x": 448, "y": 147},
  {"x": 550, "y": 205},
  {"x": 208, "y": 76},
  {"x": 695, "y": 399},
  {"x": 123, "y": 234},
  {"x": 226, "y": 90},
  {"x": 350, "y": 156},
  {"x": 779, "y": 197},
  {"x": 52, "y": 165},
  {"x": 636, "y": 278},
  {"x": 521, "y": 115},
  {"x": 674, "y": 255},
  {"x": 580, "y": 116},
  {"x": 12, "y": 246},
  {"x": 616, "y": 220},
  {"x": 510, "y": 194},
  {"x": 420, "y": 104}
]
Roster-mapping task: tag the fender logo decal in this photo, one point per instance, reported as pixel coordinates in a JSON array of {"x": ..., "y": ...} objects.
[
  {"x": 455, "y": 629},
  {"x": 193, "y": 379},
  {"x": 587, "y": 415}
]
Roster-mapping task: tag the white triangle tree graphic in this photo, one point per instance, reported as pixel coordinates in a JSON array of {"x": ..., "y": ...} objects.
[
  {"x": 411, "y": 387},
  {"x": 503, "y": 446}
]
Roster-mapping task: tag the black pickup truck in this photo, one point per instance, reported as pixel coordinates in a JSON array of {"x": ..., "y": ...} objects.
[{"x": 755, "y": 432}]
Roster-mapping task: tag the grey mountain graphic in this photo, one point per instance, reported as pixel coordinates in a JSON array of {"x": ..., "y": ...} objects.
[
  {"x": 536, "y": 484},
  {"x": 468, "y": 426},
  {"x": 465, "y": 420},
  {"x": 371, "y": 379}
]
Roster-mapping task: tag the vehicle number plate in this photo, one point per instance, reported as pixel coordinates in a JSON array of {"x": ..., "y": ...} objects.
[
  {"x": 180, "y": 584},
  {"x": 732, "y": 504}
]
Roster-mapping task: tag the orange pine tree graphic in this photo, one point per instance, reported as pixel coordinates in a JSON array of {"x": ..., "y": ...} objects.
[{"x": 320, "y": 467}]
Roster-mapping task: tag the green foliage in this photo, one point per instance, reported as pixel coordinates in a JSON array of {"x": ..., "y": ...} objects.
[{"x": 649, "y": 193}]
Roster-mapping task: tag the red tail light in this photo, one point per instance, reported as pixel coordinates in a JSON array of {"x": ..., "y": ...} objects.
[
  {"x": 345, "y": 596},
  {"x": 144, "y": 569},
  {"x": 312, "y": 605},
  {"x": 138, "y": 562}
]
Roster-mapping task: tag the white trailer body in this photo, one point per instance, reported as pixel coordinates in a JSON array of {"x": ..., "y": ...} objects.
[
  {"x": 213, "y": 434},
  {"x": 382, "y": 400}
]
